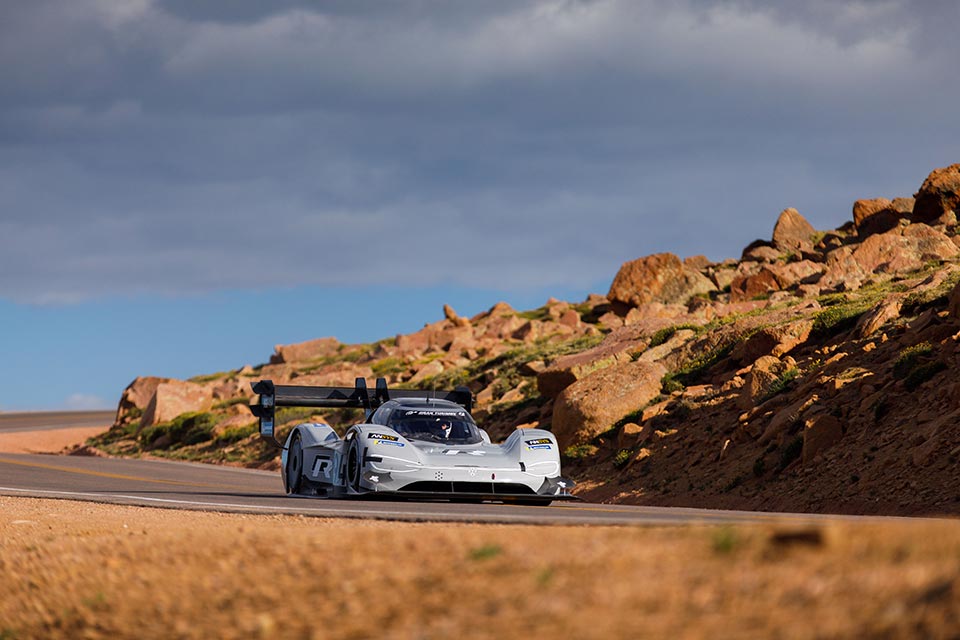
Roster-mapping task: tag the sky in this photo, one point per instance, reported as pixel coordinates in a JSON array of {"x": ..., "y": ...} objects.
[{"x": 185, "y": 184}]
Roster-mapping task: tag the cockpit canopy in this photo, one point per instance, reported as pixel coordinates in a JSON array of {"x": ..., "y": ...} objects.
[{"x": 435, "y": 424}]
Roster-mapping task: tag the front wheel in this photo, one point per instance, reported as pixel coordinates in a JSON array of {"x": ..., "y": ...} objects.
[
  {"x": 353, "y": 466},
  {"x": 294, "y": 471}
]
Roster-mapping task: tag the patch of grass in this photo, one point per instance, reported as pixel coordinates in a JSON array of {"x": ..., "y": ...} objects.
[
  {"x": 580, "y": 451},
  {"x": 115, "y": 434},
  {"x": 97, "y": 602},
  {"x": 210, "y": 377},
  {"x": 541, "y": 313},
  {"x": 663, "y": 335},
  {"x": 790, "y": 452},
  {"x": 922, "y": 373},
  {"x": 724, "y": 540},
  {"x": 621, "y": 459},
  {"x": 669, "y": 384},
  {"x": 938, "y": 296},
  {"x": 225, "y": 404},
  {"x": 781, "y": 384},
  {"x": 388, "y": 366},
  {"x": 909, "y": 358},
  {"x": 187, "y": 429},
  {"x": 486, "y": 552},
  {"x": 545, "y": 576},
  {"x": 694, "y": 370},
  {"x": 508, "y": 365},
  {"x": 235, "y": 434},
  {"x": 839, "y": 317}
]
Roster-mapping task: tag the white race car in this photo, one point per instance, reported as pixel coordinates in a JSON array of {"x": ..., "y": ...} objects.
[{"x": 412, "y": 444}]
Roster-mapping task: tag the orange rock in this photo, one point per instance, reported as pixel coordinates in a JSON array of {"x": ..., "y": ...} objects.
[
  {"x": 428, "y": 370},
  {"x": 568, "y": 369},
  {"x": 570, "y": 318},
  {"x": 878, "y": 215},
  {"x": 882, "y": 313},
  {"x": 863, "y": 209},
  {"x": 173, "y": 398},
  {"x": 629, "y": 435},
  {"x": 775, "y": 341},
  {"x": 592, "y": 405},
  {"x": 697, "y": 262},
  {"x": 896, "y": 252},
  {"x": 455, "y": 319},
  {"x": 792, "y": 232},
  {"x": 657, "y": 278},
  {"x": 137, "y": 396},
  {"x": 939, "y": 194},
  {"x": 750, "y": 287},
  {"x": 304, "y": 351}
]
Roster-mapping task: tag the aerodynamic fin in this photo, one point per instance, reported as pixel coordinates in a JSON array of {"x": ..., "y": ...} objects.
[{"x": 273, "y": 396}]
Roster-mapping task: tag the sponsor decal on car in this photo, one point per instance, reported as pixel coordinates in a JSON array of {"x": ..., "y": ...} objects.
[
  {"x": 540, "y": 443},
  {"x": 538, "y": 446},
  {"x": 453, "y": 452},
  {"x": 432, "y": 412},
  {"x": 383, "y": 438}
]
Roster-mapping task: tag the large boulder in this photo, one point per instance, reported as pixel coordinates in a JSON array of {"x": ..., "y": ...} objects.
[
  {"x": 897, "y": 251},
  {"x": 775, "y": 340},
  {"x": 759, "y": 379},
  {"x": 883, "y": 312},
  {"x": 454, "y": 318},
  {"x": 173, "y": 398},
  {"x": 592, "y": 405},
  {"x": 754, "y": 286},
  {"x": 939, "y": 194},
  {"x": 136, "y": 397},
  {"x": 661, "y": 277},
  {"x": 305, "y": 351},
  {"x": 878, "y": 215},
  {"x": 566, "y": 370},
  {"x": 792, "y": 232}
]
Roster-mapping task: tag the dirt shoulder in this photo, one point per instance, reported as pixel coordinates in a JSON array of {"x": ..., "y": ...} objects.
[
  {"x": 71, "y": 569},
  {"x": 47, "y": 441}
]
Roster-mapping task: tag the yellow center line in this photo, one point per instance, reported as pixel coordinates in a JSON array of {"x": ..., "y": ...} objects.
[{"x": 116, "y": 476}]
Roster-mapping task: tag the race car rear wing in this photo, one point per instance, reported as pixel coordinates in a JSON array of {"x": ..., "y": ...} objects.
[{"x": 273, "y": 396}]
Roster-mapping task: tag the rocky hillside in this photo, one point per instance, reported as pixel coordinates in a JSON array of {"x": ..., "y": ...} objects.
[{"x": 815, "y": 373}]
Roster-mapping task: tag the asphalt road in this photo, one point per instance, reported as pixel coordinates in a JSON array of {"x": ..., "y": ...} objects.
[
  {"x": 50, "y": 420},
  {"x": 182, "y": 485},
  {"x": 214, "y": 488}
]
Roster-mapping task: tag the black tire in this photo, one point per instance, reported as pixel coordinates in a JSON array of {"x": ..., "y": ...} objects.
[
  {"x": 353, "y": 465},
  {"x": 294, "y": 470}
]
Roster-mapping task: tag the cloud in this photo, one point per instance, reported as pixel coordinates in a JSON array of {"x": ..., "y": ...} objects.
[
  {"x": 175, "y": 148},
  {"x": 84, "y": 402}
]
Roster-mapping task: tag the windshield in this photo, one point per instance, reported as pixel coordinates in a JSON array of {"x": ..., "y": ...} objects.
[{"x": 446, "y": 426}]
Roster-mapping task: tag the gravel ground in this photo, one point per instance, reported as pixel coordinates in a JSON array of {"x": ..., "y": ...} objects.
[{"x": 74, "y": 569}]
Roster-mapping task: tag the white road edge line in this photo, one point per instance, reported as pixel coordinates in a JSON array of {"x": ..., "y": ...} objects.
[{"x": 394, "y": 515}]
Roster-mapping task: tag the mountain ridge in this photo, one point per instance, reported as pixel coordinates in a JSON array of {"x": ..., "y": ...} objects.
[{"x": 811, "y": 374}]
